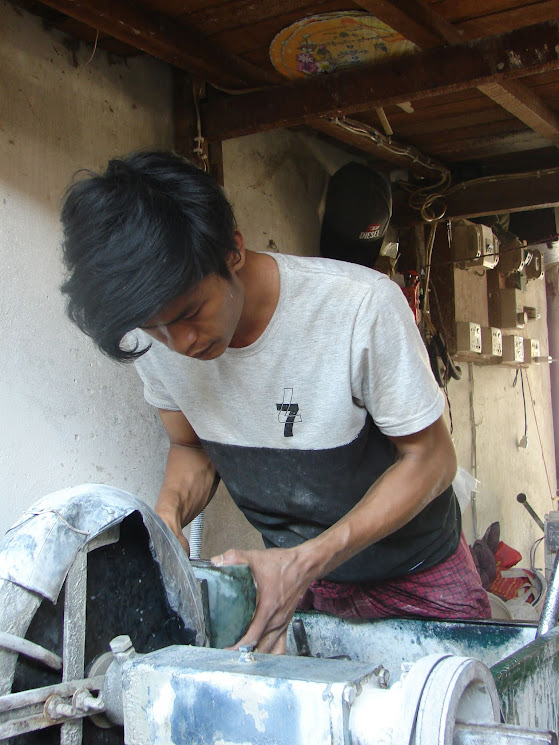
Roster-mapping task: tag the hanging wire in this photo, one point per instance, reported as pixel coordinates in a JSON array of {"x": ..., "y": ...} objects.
[
  {"x": 199, "y": 149},
  {"x": 94, "y": 48},
  {"x": 540, "y": 439},
  {"x": 533, "y": 549},
  {"x": 430, "y": 200},
  {"x": 403, "y": 151}
]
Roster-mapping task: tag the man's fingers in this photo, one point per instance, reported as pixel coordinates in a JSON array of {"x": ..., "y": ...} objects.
[
  {"x": 229, "y": 558},
  {"x": 273, "y": 643}
]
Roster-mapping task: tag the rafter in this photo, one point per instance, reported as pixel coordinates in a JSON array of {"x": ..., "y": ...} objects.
[
  {"x": 419, "y": 23},
  {"x": 429, "y": 73},
  {"x": 170, "y": 41},
  {"x": 515, "y": 193}
]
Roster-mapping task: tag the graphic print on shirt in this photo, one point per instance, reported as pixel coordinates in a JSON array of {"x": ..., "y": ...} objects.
[{"x": 288, "y": 412}]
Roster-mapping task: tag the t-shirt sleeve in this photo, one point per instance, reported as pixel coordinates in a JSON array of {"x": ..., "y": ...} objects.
[
  {"x": 155, "y": 391},
  {"x": 391, "y": 374}
]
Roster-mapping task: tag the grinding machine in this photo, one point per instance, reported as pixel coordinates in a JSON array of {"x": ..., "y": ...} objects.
[{"x": 109, "y": 634}]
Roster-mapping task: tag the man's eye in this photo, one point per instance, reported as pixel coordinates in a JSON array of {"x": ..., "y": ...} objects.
[{"x": 189, "y": 316}]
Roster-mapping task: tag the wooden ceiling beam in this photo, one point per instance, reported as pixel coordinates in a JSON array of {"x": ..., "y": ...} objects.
[
  {"x": 525, "y": 105},
  {"x": 516, "y": 193},
  {"x": 430, "y": 73},
  {"x": 414, "y": 19},
  {"x": 370, "y": 148},
  {"x": 168, "y": 40}
]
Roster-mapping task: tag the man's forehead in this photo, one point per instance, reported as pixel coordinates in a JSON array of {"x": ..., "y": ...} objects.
[{"x": 174, "y": 310}]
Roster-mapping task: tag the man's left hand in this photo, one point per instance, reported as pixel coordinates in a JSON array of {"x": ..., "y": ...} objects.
[{"x": 281, "y": 580}]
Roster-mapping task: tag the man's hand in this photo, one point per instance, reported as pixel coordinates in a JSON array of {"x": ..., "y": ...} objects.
[{"x": 281, "y": 577}]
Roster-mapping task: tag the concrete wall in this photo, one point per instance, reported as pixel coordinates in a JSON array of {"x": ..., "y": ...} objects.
[{"x": 67, "y": 414}]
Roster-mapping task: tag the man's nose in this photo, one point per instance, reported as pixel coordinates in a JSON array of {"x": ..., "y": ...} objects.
[{"x": 181, "y": 338}]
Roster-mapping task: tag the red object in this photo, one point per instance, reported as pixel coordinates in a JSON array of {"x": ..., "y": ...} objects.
[
  {"x": 411, "y": 291},
  {"x": 506, "y": 556},
  {"x": 452, "y": 589}
]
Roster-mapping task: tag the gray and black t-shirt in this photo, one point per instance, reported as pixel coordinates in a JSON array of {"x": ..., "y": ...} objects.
[{"x": 297, "y": 423}]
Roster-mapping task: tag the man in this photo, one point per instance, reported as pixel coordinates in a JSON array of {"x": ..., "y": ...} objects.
[{"x": 302, "y": 382}]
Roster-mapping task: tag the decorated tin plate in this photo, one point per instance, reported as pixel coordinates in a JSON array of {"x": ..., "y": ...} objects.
[{"x": 331, "y": 41}]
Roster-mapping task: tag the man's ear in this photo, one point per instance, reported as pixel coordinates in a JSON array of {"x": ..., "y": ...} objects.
[{"x": 236, "y": 259}]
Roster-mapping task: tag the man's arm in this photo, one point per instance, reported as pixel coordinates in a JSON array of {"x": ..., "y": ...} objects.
[
  {"x": 426, "y": 466},
  {"x": 190, "y": 478}
]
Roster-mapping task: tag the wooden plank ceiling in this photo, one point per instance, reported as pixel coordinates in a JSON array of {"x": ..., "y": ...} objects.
[{"x": 483, "y": 86}]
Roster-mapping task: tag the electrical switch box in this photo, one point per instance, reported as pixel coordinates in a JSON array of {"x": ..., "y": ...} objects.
[
  {"x": 531, "y": 350},
  {"x": 534, "y": 266},
  {"x": 513, "y": 349},
  {"x": 474, "y": 245},
  {"x": 513, "y": 257},
  {"x": 468, "y": 337},
  {"x": 512, "y": 311},
  {"x": 491, "y": 341}
]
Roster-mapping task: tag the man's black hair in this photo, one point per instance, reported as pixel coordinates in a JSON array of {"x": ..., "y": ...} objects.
[{"x": 137, "y": 236}]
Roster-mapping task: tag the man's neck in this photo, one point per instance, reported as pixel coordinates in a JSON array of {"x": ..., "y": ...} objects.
[{"x": 260, "y": 279}]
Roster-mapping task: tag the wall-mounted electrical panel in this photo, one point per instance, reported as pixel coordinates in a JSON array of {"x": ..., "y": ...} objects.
[
  {"x": 534, "y": 266},
  {"x": 513, "y": 349},
  {"x": 468, "y": 337},
  {"x": 491, "y": 341},
  {"x": 532, "y": 350},
  {"x": 474, "y": 245},
  {"x": 510, "y": 310}
]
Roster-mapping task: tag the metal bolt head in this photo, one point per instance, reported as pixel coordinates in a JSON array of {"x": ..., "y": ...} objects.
[
  {"x": 121, "y": 644},
  {"x": 383, "y": 676},
  {"x": 246, "y": 653}
]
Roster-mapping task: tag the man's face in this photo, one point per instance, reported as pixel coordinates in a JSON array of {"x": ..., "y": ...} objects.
[{"x": 200, "y": 323}]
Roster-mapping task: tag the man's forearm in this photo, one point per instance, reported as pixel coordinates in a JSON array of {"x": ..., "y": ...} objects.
[
  {"x": 392, "y": 501},
  {"x": 189, "y": 483}
]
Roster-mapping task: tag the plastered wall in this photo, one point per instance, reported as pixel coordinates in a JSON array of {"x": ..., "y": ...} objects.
[{"x": 67, "y": 414}]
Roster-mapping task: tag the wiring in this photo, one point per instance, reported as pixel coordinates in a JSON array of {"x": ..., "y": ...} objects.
[
  {"x": 533, "y": 549},
  {"x": 473, "y": 429},
  {"x": 199, "y": 150},
  {"x": 540, "y": 439},
  {"x": 386, "y": 143},
  {"x": 514, "y": 382},
  {"x": 425, "y": 199},
  {"x": 500, "y": 253}
]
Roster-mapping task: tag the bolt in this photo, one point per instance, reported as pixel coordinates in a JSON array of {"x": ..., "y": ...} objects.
[
  {"x": 246, "y": 651},
  {"x": 83, "y": 701},
  {"x": 55, "y": 708},
  {"x": 383, "y": 676},
  {"x": 122, "y": 645}
]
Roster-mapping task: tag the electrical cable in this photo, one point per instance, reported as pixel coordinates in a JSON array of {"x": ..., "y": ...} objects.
[
  {"x": 540, "y": 439},
  {"x": 423, "y": 199},
  {"x": 386, "y": 143},
  {"x": 473, "y": 427},
  {"x": 533, "y": 549},
  {"x": 199, "y": 139}
]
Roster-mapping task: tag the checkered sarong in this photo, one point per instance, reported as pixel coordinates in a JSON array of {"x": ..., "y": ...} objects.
[{"x": 449, "y": 590}]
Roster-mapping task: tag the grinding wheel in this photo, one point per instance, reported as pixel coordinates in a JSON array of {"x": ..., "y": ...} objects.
[{"x": 130, "y": 578}]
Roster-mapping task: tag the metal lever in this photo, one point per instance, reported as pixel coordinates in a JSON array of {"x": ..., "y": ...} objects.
[{"x": 534, "y": 515}]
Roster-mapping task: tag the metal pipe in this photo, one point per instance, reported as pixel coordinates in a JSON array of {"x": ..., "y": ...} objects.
[
  {"x": 500, "y": 734},
  {"x": 550, "y": 610},
  {"x": 12, "y": 701},
  {"x": 537, "y": 519},
  {"x": 30, "y": 649}
]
